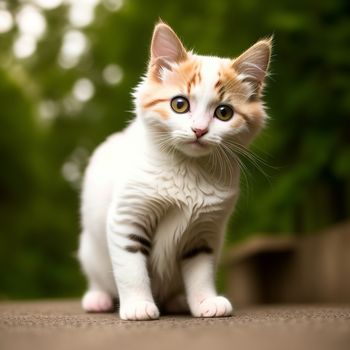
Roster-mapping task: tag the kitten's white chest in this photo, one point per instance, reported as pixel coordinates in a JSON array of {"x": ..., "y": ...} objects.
[
  {"x": 190, "y": 197},
  {"x": 189, "y": 187}
]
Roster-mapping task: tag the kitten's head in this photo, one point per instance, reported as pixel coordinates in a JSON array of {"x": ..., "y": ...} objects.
[{"x": 198, "y": 103}]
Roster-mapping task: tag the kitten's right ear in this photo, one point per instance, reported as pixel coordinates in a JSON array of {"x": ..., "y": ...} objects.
[
  {"x": 253, "y": 64},
  {"x": 166, "y": 48}
]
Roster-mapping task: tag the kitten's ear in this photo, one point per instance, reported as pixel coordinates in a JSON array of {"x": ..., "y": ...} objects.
[
  {"x": 252, "y": 65},
  {"x": 166, "y": 48}
]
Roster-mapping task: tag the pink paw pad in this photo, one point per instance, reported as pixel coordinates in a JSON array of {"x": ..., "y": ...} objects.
[{"x": 97, "y": 301}]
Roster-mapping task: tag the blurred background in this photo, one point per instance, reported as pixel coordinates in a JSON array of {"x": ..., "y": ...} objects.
[{"x": 67, "y": 68}]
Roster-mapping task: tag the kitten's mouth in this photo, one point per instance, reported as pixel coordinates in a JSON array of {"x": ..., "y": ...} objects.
[
  {"x": 195, "y": 148},
  {"x": 197, "y": 143}
]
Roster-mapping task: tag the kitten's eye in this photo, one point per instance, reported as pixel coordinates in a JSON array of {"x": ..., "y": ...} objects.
[
  {"x": 224, "y": 112},
  {"x": 180, "y": 104}
]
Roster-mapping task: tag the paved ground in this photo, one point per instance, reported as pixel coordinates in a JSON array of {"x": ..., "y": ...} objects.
[{"x": 62, "y": 325}]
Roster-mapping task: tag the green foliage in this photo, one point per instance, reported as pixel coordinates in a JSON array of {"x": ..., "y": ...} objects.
[{"x": 45, "y": 133}]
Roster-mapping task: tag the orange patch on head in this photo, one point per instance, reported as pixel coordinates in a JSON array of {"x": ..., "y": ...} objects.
[
  {"x": 182, "y": 77},
  {"x": 155, "y": 99},
  {"x": 253, "y": 114},
  {"x": 237, "y": 121},
  {"x": 228, "y": 87},
  {"x": 151, "y": 103},
  {"x": 188, "y": 67},
  {"x": 227, "y": 72},
  {"x": 195, "y": 79},
  {"x": 186, "y": 75},
  {"x": 162, "y": 112}
]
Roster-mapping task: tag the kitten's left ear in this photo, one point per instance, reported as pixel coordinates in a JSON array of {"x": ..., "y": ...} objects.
[
  {"x": 252, "y": 65},
  {"x": 166, "y": 48}
]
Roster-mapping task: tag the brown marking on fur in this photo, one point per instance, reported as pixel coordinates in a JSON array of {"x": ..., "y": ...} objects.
[
  {"x": 221, "y": 93},
  {"x": 186, "y": 75},
  {"x": 192, "y": 82},
  {"x": 195, "y": 79},
  {"x": 226, "y": 77},
  {"x": 219, "y": 87},
  {"x": 137, "y": 249},
  {"x": 197, "y": 250},
  {"x": 154, "y": 102},
  {"x": 231, "y": 88},
  {"x": 218, "y": 84},
  {"x": 136, "y": 238},
  {"x": 144, "y": 251},
  {"x": 143, "y": 229}
]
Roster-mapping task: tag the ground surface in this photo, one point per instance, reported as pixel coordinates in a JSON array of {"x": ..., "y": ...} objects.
[{"x": 63, "y": 325}]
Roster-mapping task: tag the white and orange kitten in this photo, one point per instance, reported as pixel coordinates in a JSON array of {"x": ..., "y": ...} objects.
[{"x": 157, "y": 196}]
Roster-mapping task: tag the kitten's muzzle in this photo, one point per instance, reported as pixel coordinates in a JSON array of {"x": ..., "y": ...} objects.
[{"x": 199, "y": 132}]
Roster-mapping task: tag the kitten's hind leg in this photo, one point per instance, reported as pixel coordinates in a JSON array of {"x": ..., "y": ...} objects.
[{"x": 97, "y": 269}]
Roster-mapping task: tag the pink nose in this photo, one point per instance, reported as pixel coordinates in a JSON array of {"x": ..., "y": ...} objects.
[{"x": 199, "y": 132}]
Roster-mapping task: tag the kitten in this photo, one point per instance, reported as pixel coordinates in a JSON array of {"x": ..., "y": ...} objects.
[{"x": 157, "y": 196}]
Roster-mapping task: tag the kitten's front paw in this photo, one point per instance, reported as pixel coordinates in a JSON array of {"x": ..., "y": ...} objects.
[
  {"x": 97, "y": 301},
  {"x": 138, "y": 310},
  {"x": 213, "y": 307}
]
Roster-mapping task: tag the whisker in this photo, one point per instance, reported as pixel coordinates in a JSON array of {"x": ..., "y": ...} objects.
[
  {"x": 244, "y": 171},
  {"x": 250, "y": 153},
  {"x": 253, "y": 159}
]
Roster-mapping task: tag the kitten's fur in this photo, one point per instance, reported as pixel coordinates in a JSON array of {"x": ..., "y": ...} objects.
[{"x": 157, "y": 196}]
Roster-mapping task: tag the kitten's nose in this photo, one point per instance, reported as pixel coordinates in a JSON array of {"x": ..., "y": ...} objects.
[{"x": 199, "y": 132}]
